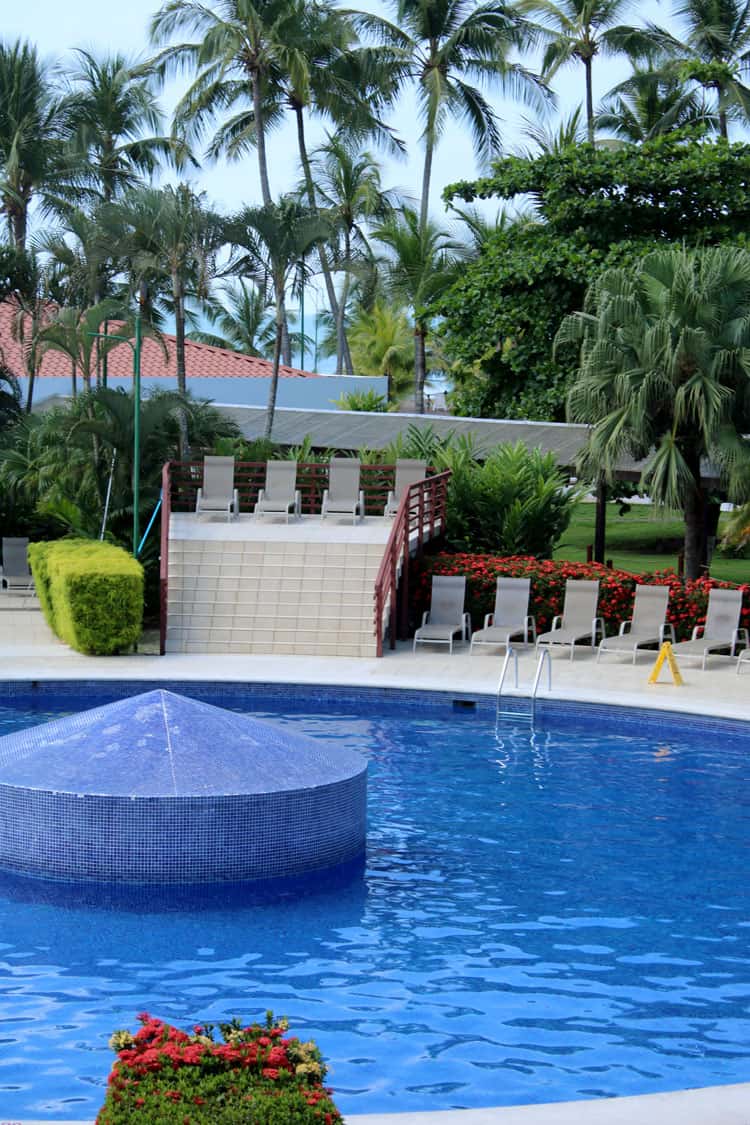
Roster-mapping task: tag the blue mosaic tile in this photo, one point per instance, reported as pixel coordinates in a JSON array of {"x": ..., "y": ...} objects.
[{"x": 160, "y": 789}]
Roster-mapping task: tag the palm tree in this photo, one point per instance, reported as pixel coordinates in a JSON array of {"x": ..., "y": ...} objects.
[
  {"x": 32, "y": 129},
  {"x": 243, "y": 320},
  {"x": 442, "y": 45},
  {"x": 76, "y": 333},
  {"x": 349, "y": 186},
  {"x": 713, "y": 51},
  {"x": 578, "y": 31},
  {"x": 665, "y": 375},
  {"x": 271, "y": 243},
  {"x": 382, "y": 343},
  {"x": 420, "y": 267},
  {"x": 649, "y": 104},
  {"x": 111, "y": 104},
  {"x": 169, "y": 235},
  {"x": 568, "y": 133}
]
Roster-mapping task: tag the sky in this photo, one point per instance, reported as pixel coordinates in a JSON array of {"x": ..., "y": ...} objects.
[{"x": 104, "y": 26}]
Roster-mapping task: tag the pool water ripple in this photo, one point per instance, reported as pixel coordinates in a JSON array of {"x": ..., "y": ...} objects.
[{"x": 544, "y": 915}]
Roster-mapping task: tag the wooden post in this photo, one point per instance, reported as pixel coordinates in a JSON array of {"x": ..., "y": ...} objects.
[{"x": 600, "y": 526}]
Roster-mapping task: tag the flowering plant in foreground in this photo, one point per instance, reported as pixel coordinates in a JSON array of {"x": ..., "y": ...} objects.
[
  {"x": 687, "y": 600},
  {"x": 256, "y": 1076}
]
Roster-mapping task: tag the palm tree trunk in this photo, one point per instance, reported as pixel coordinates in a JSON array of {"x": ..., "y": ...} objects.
[
  {"x": 589, "y": 101},
  {"x": 694, "y": 511},
  {"x": 420, "y": 368},
  {"x": 19, "y": 219},
  {"x": 341, "y": 313},
  {"x": 322, "y": 255},
  {"x": 73, "y": 384},
  {"x": 260, "y": 139},
  {"x": 273, "y": 389},
  {"x": 426, "y": 177},
  {"x": 723, "y": 125},
  {"x": 179, "y": 307}
]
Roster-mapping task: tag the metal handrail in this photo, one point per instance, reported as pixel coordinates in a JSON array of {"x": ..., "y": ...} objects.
[
  {"x": 510, "y": 651},
  {"x": 543, "y": 655}
]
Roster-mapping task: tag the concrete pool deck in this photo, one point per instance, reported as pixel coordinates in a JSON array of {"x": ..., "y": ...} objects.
[{"x": 717, "y": 691}]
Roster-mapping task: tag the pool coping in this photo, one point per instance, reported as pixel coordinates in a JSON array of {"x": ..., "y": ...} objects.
[{"x": 712, "y": 1105}]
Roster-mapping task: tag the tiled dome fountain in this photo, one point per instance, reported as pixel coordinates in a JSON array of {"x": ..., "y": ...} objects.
[{"x": 162, "y": 789}]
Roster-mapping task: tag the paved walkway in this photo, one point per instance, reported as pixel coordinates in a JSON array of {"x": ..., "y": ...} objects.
[{"x": 716, "y": 691}]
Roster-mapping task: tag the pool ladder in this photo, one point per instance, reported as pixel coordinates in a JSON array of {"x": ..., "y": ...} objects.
[{"x": 511, "y": 653}]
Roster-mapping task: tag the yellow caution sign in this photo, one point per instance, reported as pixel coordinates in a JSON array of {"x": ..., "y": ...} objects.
[{"x": 666, "y": 656}]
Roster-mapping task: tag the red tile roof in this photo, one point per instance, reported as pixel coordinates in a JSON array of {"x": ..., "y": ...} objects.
[{"x": 201, "y": 360}]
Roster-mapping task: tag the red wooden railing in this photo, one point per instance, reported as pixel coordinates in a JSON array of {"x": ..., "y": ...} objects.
[{"x": 420, "y": 516}]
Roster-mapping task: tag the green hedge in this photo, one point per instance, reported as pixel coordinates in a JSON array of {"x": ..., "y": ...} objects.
[{"x": 91, "y": 593}]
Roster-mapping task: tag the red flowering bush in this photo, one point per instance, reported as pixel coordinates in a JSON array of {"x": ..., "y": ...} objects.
[
  {"x": 256, "y": 1075},
  {"x": 687, "y": 600}
]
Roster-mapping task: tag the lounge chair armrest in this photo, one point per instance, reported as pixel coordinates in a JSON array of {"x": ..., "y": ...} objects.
[
  {"x": 467, "y": 625},
  {"x": 236, "y": 501},
  {"x": 598, "y": 623},
  {"x": 556, "y": 621},
  {"x": 529, "y": 626},
  {"x": 625, "y": 627},
  {"x": 663, "y": 630},
  {"x": 697, "y": 630},
  {"x": 198, "y": 498},
  {"x": 738, "y": 634},
  {"x": 361, "y": 503},
  {"x": 324, "y": 503},
  {"x": 298, "y": 503},
  {"x": 745, "y": 636},
  {"x": 488, "y": 619},
  {"x": 391, "y": 501},
  {"x": 425, "y": 617}
]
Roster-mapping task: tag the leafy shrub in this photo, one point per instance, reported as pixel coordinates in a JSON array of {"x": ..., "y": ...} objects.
[
  {"x": 515, "y": 503},
  {"x": 687, "y": 600},
  {"x": 91, "y": 593},
  {"x": 163, "y": 1075},
  {"x": 369, "y": 401}
]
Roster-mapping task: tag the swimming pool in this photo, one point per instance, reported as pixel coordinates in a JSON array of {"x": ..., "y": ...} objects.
[{"x": 545, "y": 914}]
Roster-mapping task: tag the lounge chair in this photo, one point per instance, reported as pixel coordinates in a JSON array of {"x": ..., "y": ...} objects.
[
  {"x": 218, "y": 493},
  {"x": 446, "y": 615},
  {"x": 743, "y": 658},
  {"x": 407, "y": 474},
  {"x": 578, "y": 621},
  {"x": 280, "y": 494},
  {"x": 16, "y": 571},
  {"x": 647, "y": 626},
  {"x": 722, "y": 628},
  {"x": 343, "y": 497},
  {"x": 511, "y": 617}
]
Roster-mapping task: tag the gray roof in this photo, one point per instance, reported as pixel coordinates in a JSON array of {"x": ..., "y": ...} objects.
[{"x": 347, "y": 429}]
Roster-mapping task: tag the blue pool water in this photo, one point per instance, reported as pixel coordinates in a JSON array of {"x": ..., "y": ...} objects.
[{"x": 544, "y": 915}]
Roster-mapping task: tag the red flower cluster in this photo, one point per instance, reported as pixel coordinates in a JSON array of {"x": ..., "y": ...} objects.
[
  {"x": 687, "y": 600},
  {"x": 162, "y": 1065}
]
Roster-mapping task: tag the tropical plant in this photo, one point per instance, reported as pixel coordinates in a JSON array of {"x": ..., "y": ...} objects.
[
  {"x": 665, "y": 375},
  {"x": 382, "y": 343},
  {"x": 349, "y": 186},
  {"x": 243, "y": 320},
  {"x": 441, "y": 46},
  {"x": 77, "y": 333},
  {"x": 579, "y": 30},
  {"x": 32, "y": 133},
  {"x": 712, "y": 50},
  {"x": 418, "y": 270},
  {"x": 110, "y": 105},
  {"x": 649, "y": 104},
  {"x": 271, "y": 243},
  {"x": 369, "y": 401}
]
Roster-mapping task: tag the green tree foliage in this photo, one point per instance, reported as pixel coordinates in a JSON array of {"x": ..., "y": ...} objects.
[
  {"x": 597, "y": 208},
  {"x": 665, "y": 375}
]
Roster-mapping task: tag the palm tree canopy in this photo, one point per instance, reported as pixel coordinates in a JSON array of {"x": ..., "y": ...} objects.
[
  {"x": 270, "y": 242},
  {"x": 665, "y": 367},
  {"x": 649, "y": 104},
  {"x": 115, "y": 121},
  {"x": 421, "y": 262}
]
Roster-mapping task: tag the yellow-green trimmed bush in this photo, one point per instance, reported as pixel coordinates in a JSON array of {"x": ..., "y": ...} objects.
[{"x": 91, "y": 593}]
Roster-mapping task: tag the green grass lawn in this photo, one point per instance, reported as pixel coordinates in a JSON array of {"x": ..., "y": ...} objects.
[{"x": 642, "y": 540}]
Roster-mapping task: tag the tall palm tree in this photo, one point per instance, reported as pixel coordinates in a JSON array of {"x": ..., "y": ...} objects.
[
  {"x": 443, "y": 46},
  {"x": 32, "y": 132},
  {"x": 579, "y": 30},
  {"x": 649, "y": 104},
  {"x": 420, "y": 266},
  {"x": 713, "y": 51},
  {"x": 170, "y": 236},
  {"x": 242, "y": 320},
  {"x": 271, "y": 242},
  {"x": 349, "y": 186},
  {"x": 665, "y": 375},
  {"x": 115, "y": 123}
]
